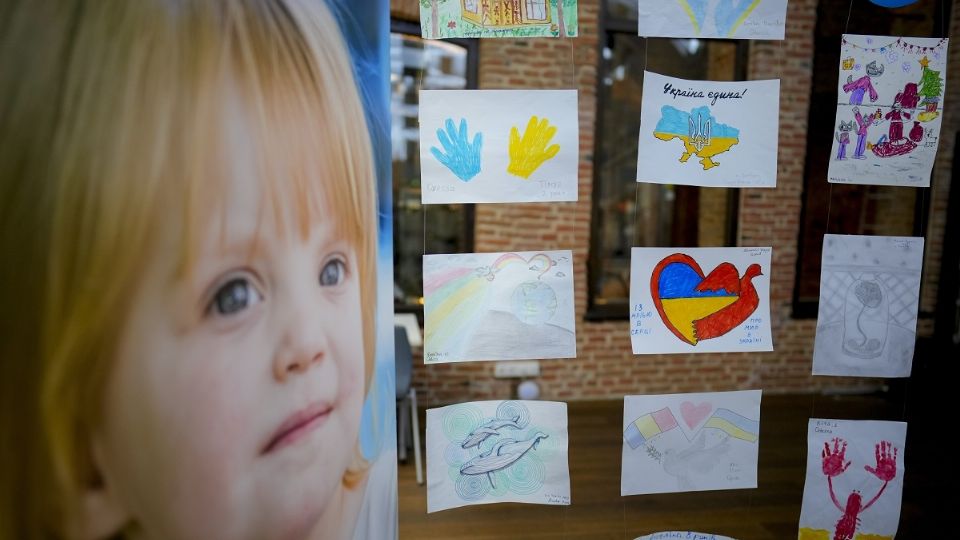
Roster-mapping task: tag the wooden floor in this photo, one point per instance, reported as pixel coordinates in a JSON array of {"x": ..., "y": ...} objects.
[{"x": 770, "y": 511}]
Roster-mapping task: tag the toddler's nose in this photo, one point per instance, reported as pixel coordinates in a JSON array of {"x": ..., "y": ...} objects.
[{"x": 303, "y": 345}]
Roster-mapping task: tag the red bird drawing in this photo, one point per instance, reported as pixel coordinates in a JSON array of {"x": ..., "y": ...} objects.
[{"x": 726, "y": 278}]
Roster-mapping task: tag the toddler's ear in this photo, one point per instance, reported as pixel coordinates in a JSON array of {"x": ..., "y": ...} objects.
[{"x": 100, "y": 513}]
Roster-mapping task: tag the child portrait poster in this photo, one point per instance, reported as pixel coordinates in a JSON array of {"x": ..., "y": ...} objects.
[{"x": 201, "y": 313}]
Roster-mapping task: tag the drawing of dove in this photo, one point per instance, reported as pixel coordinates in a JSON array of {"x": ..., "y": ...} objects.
[{"x": 697, "y": 459}]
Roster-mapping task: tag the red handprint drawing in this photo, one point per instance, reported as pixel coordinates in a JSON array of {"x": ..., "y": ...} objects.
[{"x": 834, "y": 465}]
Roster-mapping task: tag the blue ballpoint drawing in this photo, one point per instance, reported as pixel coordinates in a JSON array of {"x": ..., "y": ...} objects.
[
  {"x": 497, "y": 451},
  {"x": 460, "y": 155}
]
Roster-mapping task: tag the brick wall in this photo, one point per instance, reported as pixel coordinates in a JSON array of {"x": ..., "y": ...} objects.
[{"x": 605, "y": 366}]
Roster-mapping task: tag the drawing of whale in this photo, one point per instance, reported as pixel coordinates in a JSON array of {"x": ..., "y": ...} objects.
[
  {"x": 477, "y": 436},
  {"x": 497, "y": 423},
  {"x": 503, "y": 455},
  {"x": 487, "y": 430}
]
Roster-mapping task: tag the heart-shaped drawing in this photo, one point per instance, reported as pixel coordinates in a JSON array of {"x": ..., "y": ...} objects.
[
  {"x": 727, "y": 16},
  {"x": 694, "y": 414},
  {"x": 696, "y": 307}
]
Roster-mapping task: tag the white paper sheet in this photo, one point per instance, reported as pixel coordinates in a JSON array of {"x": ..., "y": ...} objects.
[
  {"x": 860, "y": 465},
  {"x": 497, "y": 451},
  {"x": 869, "y": 297},
  {"x": 685, "y": 300},
  {"x": 485, "y": 146},
  {"x": 498, "y": 306},
  {"x": 731, "y": 19},
  {"x": 708, "y": 133},
  {"x": 683, "y": 535},
  {"x": 889, "y": 109},
  {"x": 690, "y": 442},
  {"x": 485, "y": 19}
]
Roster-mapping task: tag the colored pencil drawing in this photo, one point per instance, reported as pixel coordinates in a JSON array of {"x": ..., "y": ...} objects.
[
  {"x": 854, "y": 480},
  {"x": 498, "y": 306},
  {"x": 869, "y": 298},
  {"x": 737, "y": 19},
  {"x": 682, "y": 535},
  {"x": 459, "y": 154},
  {"x": 889, "y": 95},
  {"x": 729, "y": 129},
  {"x": 527, "y": 153},
  {"x": 702, "y": 136},
  {"x": 497, "y": 451},
  {"x": 498, "y": 18},
  {"x": 498, "y": 146},
  {"x": 677, "y": 307},
  {"x": 690, "y": 442}
]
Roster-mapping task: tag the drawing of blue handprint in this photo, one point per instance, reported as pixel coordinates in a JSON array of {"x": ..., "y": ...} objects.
[{"x": 461, "y": 156}]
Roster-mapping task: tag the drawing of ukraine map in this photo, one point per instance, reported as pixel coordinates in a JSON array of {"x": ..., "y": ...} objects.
[{"x": 702, "y": 136}]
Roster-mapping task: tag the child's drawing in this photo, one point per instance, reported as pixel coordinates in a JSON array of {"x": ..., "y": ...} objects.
[
  {"x": 708, "y": 133},
  {"x": 498, "y": 306},
  {"x": 869, "y": 297},
  {"x": 690, "y": 442},
  {"x": 677, "y": 307},
  {"x": 731, "y": 19},
  {"x": 497, "y": 451},
  {"x": 854, "y": 480},
  {"x": 890, "y": 90},
  {"x": 527, "y": 153},
  {"x": 459, "y": 154},
  {"x": 702, "y": 136},
  {"x": 498, "y": 18},
  {"x": 682, "y": 535},
  {"x": 498, "y": 146}
]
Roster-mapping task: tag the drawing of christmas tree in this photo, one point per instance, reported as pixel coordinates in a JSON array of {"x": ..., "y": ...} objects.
[{"x": 931, "y": 87}]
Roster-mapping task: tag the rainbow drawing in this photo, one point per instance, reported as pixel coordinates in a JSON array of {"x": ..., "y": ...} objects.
[
  {"x": 461, "y": 290},
  {"x": 649, "y": 426},
  {"x": 735, "y": 425}
]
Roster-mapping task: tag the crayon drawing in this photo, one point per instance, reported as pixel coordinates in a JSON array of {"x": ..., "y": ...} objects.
[
  {"x": 730, "y": 19},
  {"x": 441, "y": 19},
  {"x": 889, "y": 104},
  {"x": 854, "y": 480},
  {"x": 498, "y": 146},
  {"x": 869, "y": 298},
  {"x": 682, "y": 535},
  {"x": 498, "y": 306},
  {"x": 497, "y": 451},
  {"x": 708, "y": 133},
  {"x": 690, "y": 442},
  {"x": 677, "y": 307},
  {"x": 702, "y": 136}
]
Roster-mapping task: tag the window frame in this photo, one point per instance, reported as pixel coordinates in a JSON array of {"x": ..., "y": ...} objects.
[
  {"x": 472, "y": 47},
  {"x": 607, "y": 26}
]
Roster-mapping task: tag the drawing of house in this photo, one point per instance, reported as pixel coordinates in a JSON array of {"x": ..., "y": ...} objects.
[{"x": 506, "y": 13}]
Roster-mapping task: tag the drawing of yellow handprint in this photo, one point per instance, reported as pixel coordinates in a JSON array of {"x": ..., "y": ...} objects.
[{"x": 529, "y": 152}]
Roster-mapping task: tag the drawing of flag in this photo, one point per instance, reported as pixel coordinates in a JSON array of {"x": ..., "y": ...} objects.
[
  {"x": 649, "y": 426},
  {"x": 735, "y": 425}
]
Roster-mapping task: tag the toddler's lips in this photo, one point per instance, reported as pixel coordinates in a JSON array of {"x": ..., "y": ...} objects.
[{"x": 297, "y": 426}]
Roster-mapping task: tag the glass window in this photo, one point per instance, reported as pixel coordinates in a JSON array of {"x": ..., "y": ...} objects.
[
  {"x": 627, "y": 213},
  {"x": 846, "y": 208},
  {"x": 417, "y": 63}
]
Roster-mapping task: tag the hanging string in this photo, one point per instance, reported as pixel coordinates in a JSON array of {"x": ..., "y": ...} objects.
[
  {"x": 636, "y": 186},
  {"x": 849, "y": 13},
  {"x": 423, "y": 207}
]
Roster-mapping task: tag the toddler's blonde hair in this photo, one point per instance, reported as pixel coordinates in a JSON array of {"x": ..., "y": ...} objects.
[{"x": 112, "y": 124}]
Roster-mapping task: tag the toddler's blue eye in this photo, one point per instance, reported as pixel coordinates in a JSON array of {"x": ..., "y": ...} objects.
[
  {"x": 235, "y": 296},
  {"x": 333, "y": 273}
]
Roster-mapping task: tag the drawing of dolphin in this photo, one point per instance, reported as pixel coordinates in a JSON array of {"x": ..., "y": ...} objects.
[{"x": 504, "y": 454}]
